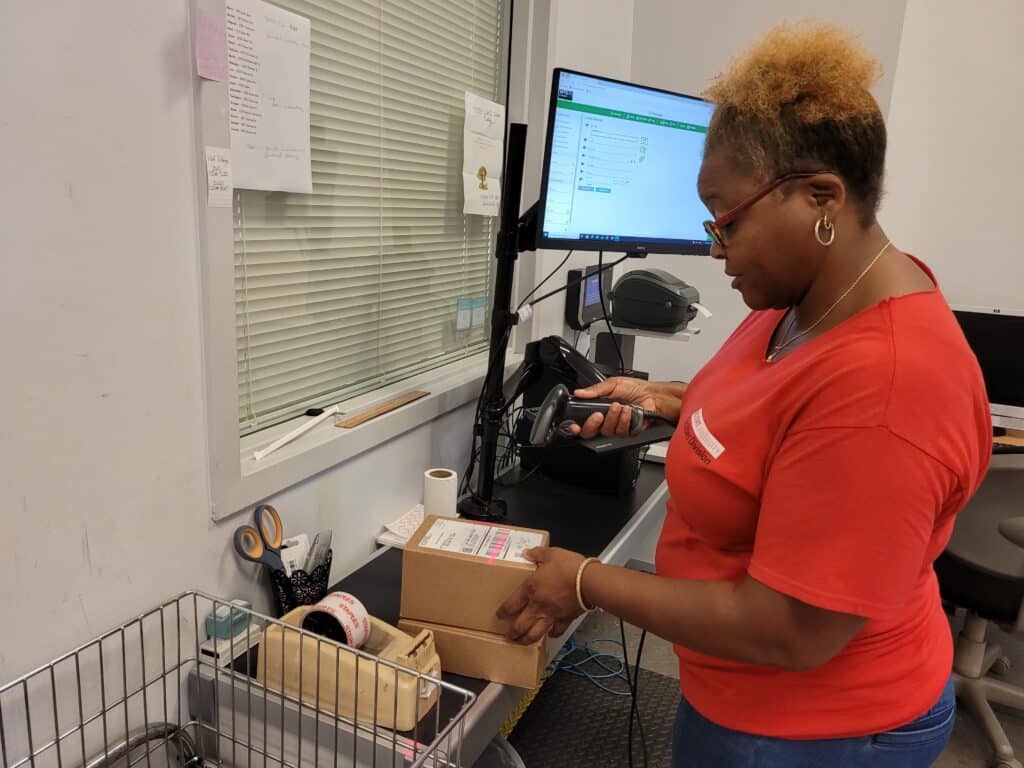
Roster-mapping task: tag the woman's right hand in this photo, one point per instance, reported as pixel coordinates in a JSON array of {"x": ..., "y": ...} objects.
[{"x": 661, "y": 397}]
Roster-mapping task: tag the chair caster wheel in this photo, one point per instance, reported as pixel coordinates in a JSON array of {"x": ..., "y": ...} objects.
[{"x": 1001, "y": 667}]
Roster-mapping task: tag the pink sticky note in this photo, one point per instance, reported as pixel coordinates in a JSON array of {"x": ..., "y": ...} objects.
[{"x": 211, "y": 47}]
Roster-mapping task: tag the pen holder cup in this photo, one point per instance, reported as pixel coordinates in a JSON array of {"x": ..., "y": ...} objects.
[{"x": 300, "y": 588}]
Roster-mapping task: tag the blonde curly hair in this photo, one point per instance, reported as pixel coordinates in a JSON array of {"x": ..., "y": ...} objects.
[{"x": 800, "y": 100}]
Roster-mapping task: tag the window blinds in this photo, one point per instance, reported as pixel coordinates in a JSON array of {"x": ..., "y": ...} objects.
[{"x": 356, "y": 286}]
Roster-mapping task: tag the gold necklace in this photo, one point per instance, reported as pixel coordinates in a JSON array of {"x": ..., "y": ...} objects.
[{"x": 770, "y": 357}]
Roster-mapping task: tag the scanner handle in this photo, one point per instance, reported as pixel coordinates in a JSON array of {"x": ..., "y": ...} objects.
[{"x": 578, "y": 411}]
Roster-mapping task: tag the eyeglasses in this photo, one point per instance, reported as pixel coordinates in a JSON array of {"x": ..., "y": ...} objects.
[{"x": 716, "y": 228}]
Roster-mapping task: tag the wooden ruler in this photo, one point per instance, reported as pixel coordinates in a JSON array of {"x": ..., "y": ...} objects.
[{"x": 381, "y": 408}]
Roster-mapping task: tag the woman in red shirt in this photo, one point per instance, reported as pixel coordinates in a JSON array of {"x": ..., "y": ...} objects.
[{"x": 821, "y": 454}]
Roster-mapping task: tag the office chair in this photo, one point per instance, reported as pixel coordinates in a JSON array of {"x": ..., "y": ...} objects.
[{"x": 982, "y": 570}]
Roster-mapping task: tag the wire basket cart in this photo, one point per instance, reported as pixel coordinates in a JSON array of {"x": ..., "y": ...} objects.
[{"x": 155, "y": 692}]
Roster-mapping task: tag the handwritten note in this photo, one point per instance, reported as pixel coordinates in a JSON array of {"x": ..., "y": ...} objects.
[
  {"x": 218, "y": 177},
  {"x": 485, "y": 117},
  {"x": 211, "y": 47},
  {"x": 482, "y": 139},
  {"x": 268, "y": 95}
]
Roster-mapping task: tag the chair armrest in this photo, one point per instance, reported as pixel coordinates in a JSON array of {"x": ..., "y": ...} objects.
[{"x": 1013, "y": 529}]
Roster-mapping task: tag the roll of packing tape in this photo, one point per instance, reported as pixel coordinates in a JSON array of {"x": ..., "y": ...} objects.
[
  {"x": 440, "y": 490},
  {"x": 340, "y": 617}
]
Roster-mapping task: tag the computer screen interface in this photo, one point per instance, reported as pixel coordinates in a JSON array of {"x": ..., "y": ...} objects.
[{"x": 621, "y": 165}]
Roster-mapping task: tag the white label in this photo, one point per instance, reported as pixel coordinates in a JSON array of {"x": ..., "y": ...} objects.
[
  {"x": 708, "y": 440},
  {"x": 294, "y": 552},
  {"x": 463, "y": 314},
  {"x": 479, "y": 311},
  {"x": 491, "y": 542}
]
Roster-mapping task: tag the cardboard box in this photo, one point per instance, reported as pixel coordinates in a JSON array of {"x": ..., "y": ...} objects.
[
  {"x": 457, "y": 572},
  {"x": 484, "y": 655}
]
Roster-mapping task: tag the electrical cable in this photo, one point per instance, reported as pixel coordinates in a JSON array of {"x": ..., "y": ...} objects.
[
  {"x": 474, "y": 453},
  {"x": 635, "y": 700},
  {"x": 511, "y": 448},
  {"x": 604, "y": 311},
  {"x": 521, "y": 479},
  {"x": 541, "y": 283},
  {"x": 631, "y": 679},
  {"x": 571, "y": 283},
  {"x": 593, "y": 657},
  {"x": 618, "y": 671},
  {"x": 466, "y": 485}
]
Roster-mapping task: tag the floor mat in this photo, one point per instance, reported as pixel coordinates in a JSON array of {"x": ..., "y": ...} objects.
[{"x": 572, "y": 723}]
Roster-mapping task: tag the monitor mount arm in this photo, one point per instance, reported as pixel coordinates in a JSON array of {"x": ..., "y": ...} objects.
[
  {"x": 516, "y": 234},
  {"x": 513, "y": 236}
]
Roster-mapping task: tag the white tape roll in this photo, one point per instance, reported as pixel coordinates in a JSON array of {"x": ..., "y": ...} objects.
[
  {"x": 340, "y": 609},
  {"x": 440, "y": 489}
]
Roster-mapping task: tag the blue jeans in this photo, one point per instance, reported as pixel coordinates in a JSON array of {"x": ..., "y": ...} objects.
[{"x": 699, "y": 743}]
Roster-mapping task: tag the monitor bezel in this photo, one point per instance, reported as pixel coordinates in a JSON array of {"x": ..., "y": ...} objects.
[
  {"x": 623, "y": 246},
  {"x": 1003, "y": 414}
]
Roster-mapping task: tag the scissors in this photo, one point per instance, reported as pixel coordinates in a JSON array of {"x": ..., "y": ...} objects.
[{"x": 262, "y": 543}]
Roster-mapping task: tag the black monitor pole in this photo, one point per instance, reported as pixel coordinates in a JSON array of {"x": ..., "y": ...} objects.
[{"x": 481, "y": 504}]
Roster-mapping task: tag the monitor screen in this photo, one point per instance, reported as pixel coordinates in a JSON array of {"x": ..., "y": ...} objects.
[
  {"x": 997, "y": 339},
  {"x": 592, "y": 291},
  {"x": 620, "y": 167}
]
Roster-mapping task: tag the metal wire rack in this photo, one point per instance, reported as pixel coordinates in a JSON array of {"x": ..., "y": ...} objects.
[{"x": 153, "y": 691}]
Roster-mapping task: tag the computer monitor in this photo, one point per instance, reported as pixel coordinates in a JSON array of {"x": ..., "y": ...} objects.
[
  {"x": 997, "y": 338},
  {"x": 620, "y": 168}
]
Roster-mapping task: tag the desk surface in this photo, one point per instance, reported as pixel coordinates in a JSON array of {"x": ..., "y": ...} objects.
[{"x": 576, "y": 518}]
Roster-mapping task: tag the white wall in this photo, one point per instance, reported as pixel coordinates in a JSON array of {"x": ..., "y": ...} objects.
[
  {"x": 681, "y": 47},
  {"x": 102, "y": 466},
  {"x": 956, "y": 148}
]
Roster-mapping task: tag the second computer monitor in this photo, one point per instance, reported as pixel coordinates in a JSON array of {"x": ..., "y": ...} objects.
[{"x": 996, "y": 335}]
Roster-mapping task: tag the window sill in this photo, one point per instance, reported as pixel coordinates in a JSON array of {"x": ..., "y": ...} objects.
[{"x": 326, "y": 446}]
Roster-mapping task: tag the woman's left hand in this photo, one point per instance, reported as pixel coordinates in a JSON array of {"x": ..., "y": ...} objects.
[{"x": 545, "y": 604}]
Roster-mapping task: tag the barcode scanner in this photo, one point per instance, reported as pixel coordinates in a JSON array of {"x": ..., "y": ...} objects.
[{"x": 560, "y": 409}]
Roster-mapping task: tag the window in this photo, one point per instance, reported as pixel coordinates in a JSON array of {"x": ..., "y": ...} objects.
[{"x": 356, "y": 286}]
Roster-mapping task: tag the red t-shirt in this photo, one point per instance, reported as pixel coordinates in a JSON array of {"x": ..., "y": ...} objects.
[{"x": 832, "y": 475}]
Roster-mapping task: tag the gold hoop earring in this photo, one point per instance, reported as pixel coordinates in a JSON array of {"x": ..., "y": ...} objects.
[{"x": 830, "y": 228}]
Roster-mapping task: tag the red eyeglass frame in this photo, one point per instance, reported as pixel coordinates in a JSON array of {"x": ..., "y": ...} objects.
[{"x": 714, "y": 227}]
